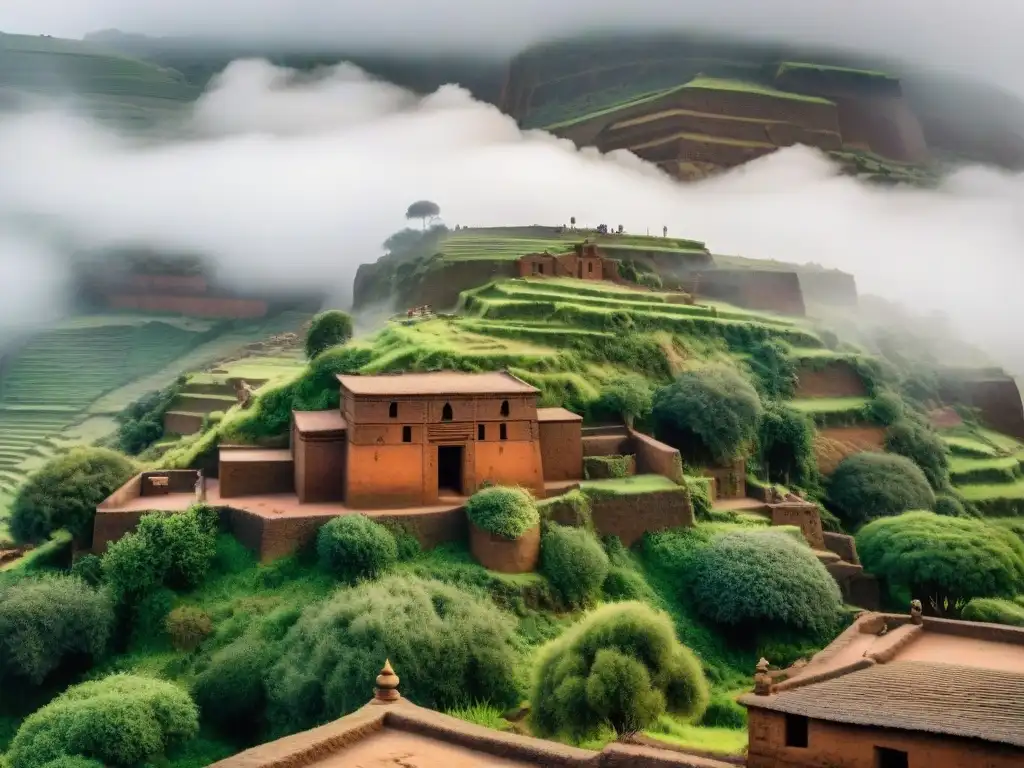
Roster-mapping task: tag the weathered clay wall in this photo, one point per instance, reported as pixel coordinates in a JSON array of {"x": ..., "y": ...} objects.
[
  {"x": 828, "y": 288},
  {"x": 606, "y": 445},
  {"x": 255, "y": 478},
  {"x": 730, "y": 482},
  {"x": 561, "y": 450},
  {"x": 722, "y": 154},
  {"x": 562, "y": 265},
  {"x": 496, "y": 553},
  {"x": 440, "y": 288},
  {"x": 833, "y": 444},
  {"x": 320, "y": 468},
  {"x": 185, "y": 284},
  {"x": 196, "y": 306},
  {"x": 754, "y": 289},
  {"x": 653, "y": 457},
  {"x": 382, "y": 476},
  {"x": 629, "y": 517},
  {"x": 843, "y": 545},
  {"x": 837, "y": 379},
  {"x": 886, "y": 125},
  {"x": 130, "y": 490},
  {"x": 997, "y": 398},
  {"x": 804, "y": 516},
  {"x": 849, "y": 746},
  {"x": 509, "y": 462},
  {"x": 181, "y": 423}
]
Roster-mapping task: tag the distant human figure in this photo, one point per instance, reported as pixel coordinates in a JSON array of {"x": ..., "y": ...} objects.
[
  {"x": 200, "y": 487},
  {"x": 243, "y": 393},
  {"x": 916, "y": 612},
  {"x": 664, "y": 231}
]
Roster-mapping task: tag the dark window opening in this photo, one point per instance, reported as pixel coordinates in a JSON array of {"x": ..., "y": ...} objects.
[
  {"x": 796, "y": 731},
  {"x": 504, "y": 407},
  {"x": 579, "y": 269},
  {"x": 502, "y": 432},
  {"x": 540, "y": 269},
  {"x": 590, "y": 266},
  {"x": 446, "y": 412},
  {"x": 406, "y": 434},
  {"x": 393, "y": 410},
  {"x": 891, "y": 758},
  {"x": 449, "y": 469},
  {"x": 481, "y": 432}
]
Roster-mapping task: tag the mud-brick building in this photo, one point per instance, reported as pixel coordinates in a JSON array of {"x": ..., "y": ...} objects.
[
  {"x": 412, "y": 439},
  {"x": 585, "y": 262},
  {"x": 896, "y": 692}
]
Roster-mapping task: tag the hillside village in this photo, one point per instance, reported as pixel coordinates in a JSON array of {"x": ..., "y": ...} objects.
[{"x": 544, "y": 494}]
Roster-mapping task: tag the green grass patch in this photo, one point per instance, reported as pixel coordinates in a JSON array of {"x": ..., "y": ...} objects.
[
  {"x": 629, "y": 486},
  {"x": 830, "y": 405},
  {"x": 720, "y": 741}
]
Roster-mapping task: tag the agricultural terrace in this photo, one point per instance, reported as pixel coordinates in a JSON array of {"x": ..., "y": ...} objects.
[
  {"x": 847, "y": 73},
  {"x": 987, "y": 468},
  {"x": 110, "y": 85},
  {"x": 66, "y": 384},
  {"x": 512, "y": 242}
]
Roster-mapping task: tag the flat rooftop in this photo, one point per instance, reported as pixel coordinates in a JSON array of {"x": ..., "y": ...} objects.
[
  {"x": 437, "y": 383},
  {"x": 557, "y": 414},
  {"x": 947, "y": 677},
  {"x": 313, "y": 422}
]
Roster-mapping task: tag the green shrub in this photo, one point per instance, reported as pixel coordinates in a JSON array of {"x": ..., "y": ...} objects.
[
  {"x": 326, "y": 330},
  {"x": 708, "y": 414},
  {"x": 354, "y": 547},
  {"x": 451, "y": 647},
  {"x": 121, "y": 720},
  {"x": 65, "y": 492},
  {"x": 774, "y": 370},
  {"x": 870, "y": 485},
  {"x": 503, "y": 511},
  {"x": 699, "y": 489},
  {"x": 188, "y": 626},
  {"x": 89, "y": 568},
  {"x": 48, "y": 621},
  {"x": 230, "y": 692},
  {"x": 884, "y": 409},
  {"x": 73, "y": 761},
  {"x": 621, "y": 666},
  {"x": 574, "y": 562},
  {"x": 724, "y": 712},
  {"x": 924, "y": 447},
  {"x": 785, "y": 442},
  {"x": 943, "y": 561},
  {"x": 602, "y": 467},
  {"x": 628, "y": 398},
  {"x": 993, "y": 610},
  {"x": 650, "y": 280},
  {"x": 625, "y": 584},
  {"x": 763, "y": 578},
  {"x": 142, "y": 422},
  {"x": 949, "y": 506},
  {"x": 172, "y": 550}
]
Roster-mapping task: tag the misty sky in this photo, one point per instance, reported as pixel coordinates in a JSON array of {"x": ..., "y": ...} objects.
[{"x": 980, "y": 37}]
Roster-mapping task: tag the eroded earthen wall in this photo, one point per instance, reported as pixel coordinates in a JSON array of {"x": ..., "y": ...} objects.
[
  {"x": 828, "y": 288},
  {"x": 653, "y": 457},
  {"x": 629, "y": 517},
  {"x": 836, "y": 379},
  {"x": 496, "y": 553},
  {"x": 509, "y": 462},
  {"x": 850, "y": 746},
  {"x": 256, "y": 478},
  {"x": 561, "y": 450},
  {"x": 383, "y": 476},
  {"x": 320, "y": 468},
  {"x": 754, "y": 289}
]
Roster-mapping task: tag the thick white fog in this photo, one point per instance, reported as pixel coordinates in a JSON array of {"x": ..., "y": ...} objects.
[{"x": 296, "y": 184}]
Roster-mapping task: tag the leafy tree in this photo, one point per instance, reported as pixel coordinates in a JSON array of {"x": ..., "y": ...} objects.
[
  {"x": 121, "y": 720},
  {"x": 943, "y": 561},
  {"x": 89, "y": 568},
  {"x": 885, "y": 408},
  {"x": 773, "y": 368},
  {"x": 749, "y": 579},
  {"x": 650, "y": 280},
  {"x": 628, "y": 397},
  {"x": 869, "y": 485},
  {"x": 354, "y": 547},
  {"x": 328, "y": 329},
  {"x": 450, "y": 646},
  {"x": 708, "y": 413},
  {"x": 574, "y": 562},
  {"x": 423, "y": 210},
  {"x": 73, "y": 761},
  {"x": 785, "y": 441},
  {"x": 174, "y": 550},
  {"x": 924, "y": 447},
  {"x": 621, "y": 666},
  {"x": 65, "y": 492},
  {"x": 49, "y": 621},
  {"x": 504, "y": 511}
]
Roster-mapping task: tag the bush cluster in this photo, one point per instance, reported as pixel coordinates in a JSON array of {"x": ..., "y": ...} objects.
[
  {"x": 354, "y": 547},
  {"x": 924, "y": 447},
  {"x": 230, "y": 692},
  {"x": 65, "y": 492},
  {"x": 450, "y": 646},
  {"x": 503, "y": 511},
  {"x": 773, "y": 368},
  {"x": 758, "y": 578},
  {"x": 326, "y": 330},
  {"x": 628, "y": 398},
  {"x": 870, "y": 485},
  {"x": 785, "y": 443},
  {"x": 142, "y": 422},
  {"x": 708, "y": 414},
  {"x": 121, "y": 720},
  {"x": 994, "y": 610},
  {"x": 188, "y": 626},
  {"x": 574, "y": 562},
  {"x": 174, "y": 551},
  {"x": 943, "y": 561},
  {"x": 949, "y": 506},
  {"x": 621, "y": 666},
  {"x": 48, "y": 621}
]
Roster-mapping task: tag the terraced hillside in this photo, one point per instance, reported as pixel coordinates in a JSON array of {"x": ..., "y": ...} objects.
[
  {"x": 988, "y": 469},
  {"x": 437, "y": 270},
  {"x": 109, "y": 85}
]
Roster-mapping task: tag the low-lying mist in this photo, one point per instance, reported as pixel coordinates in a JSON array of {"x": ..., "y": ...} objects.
[{"x": 287, "y": 181}]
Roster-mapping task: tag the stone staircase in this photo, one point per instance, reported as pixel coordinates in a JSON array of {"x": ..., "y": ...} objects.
[{"x": 197, "y": 401}]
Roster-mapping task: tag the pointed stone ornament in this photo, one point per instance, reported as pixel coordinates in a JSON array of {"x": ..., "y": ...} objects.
[
  {"x": 387, "y": 685},
  {"x": 762, "y": 678}
]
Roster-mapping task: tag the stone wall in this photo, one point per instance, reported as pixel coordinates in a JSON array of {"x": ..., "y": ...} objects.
[
  {"x": 833, "y": 444},
  {"x": 256, "y": 476},
  {"x": 804, "y": 516},
  {"x": 730, "y": 482},
  {"x": 766, "y": 290},
  {"x": 629, "y": 517},
  {"x": 496, "y": 553},
  {"x": 850, "y": 746},
  {"x": 653, "y": 457},
  {"x": 996, "y": 397},
  {"x": 561, "y": 450},
  {"x": 836, "y": 379}
]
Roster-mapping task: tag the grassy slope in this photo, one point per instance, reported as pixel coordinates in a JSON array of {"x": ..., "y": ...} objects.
[
  {"x": 987, "y": 468},
  {"x": 470, "y": 244},
  {"x": 109, "y": 85}
]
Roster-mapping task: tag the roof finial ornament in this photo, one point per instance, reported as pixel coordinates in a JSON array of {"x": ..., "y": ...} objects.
[
  {"x": 916, "y": 612},
  {"x": 386, "y": 691},
  {"x": 762, "y": 678}
]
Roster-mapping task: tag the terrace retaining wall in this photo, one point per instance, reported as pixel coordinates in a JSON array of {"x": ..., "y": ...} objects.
[
  {"x": 835, "y": 379},
  {"x": 828, "y": 288},
  {"x": 764, "y": 290},
  {"x": 630, "y": 517},
  {"x": 996, "y": 397}
]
